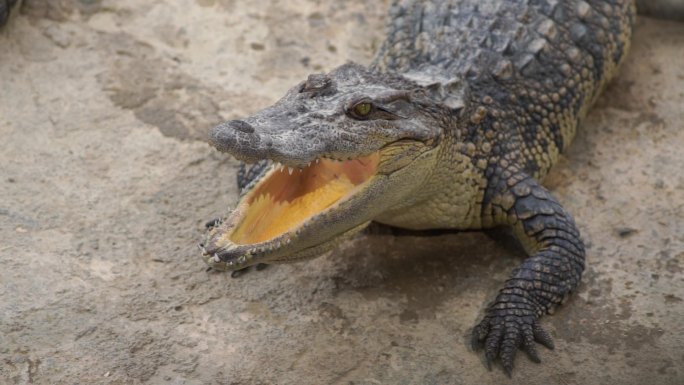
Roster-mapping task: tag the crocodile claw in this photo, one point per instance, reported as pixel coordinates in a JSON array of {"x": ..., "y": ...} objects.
[{"x": 502, "y": 336}]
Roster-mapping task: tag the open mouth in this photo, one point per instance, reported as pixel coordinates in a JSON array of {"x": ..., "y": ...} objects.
[{"x": 286, "y": 199}]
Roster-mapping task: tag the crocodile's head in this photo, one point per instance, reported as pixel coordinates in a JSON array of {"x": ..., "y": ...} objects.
[{"x": 342, "y": 148}]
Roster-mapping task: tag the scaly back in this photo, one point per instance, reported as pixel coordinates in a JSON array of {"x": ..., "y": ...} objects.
[{"x": 526, "y": 71}]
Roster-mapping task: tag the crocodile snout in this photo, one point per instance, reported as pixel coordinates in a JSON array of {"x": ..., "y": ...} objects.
[{"x": 238, "y": 138}]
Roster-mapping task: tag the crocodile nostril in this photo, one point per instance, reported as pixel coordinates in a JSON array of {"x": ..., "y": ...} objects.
[{"x": 241, "y": 126}]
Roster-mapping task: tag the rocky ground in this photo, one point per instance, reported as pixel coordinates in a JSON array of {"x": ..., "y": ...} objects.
[{"x": 106, "y": 182}]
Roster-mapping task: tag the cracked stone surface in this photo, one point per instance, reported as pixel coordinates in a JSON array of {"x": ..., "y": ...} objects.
[{"x": 106, "y": 182}]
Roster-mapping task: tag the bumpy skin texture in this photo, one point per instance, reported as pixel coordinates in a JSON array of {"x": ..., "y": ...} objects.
[{"x": 506, "y": 83}]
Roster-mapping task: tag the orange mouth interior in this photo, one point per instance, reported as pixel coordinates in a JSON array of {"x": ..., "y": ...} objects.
[{"x": 283, "y": 202}]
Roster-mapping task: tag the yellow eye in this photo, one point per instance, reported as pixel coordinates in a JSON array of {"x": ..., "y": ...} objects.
[{"x": 362, "y": 109}]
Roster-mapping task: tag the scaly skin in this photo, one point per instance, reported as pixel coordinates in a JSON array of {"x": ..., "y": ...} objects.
[{"x": 474, "y": 101}]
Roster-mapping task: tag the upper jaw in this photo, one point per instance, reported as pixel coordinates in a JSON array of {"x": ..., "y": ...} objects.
[
  {"x": 251, "y": 146},
  {"x": 266, "y": 137}
]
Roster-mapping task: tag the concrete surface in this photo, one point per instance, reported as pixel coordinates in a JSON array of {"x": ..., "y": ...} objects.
[{"x": 105, "y": 183}]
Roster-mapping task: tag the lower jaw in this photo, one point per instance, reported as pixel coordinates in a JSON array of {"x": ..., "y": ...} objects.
[{"x": 289, "y": 254}]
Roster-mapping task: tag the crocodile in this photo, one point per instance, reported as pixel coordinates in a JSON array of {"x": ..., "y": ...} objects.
[{"x": 463, "y": 111}]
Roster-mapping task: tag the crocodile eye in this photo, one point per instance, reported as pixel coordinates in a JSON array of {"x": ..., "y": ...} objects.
[{"x": 362, "y": 109}]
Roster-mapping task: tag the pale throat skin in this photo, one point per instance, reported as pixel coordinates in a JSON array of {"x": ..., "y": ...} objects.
[{"x": 464, "y": 110}]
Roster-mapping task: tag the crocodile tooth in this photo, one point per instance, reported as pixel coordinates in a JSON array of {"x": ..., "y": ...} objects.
[
  {"x": 290, "y": 169},
  {"x": 317, "y": 160}
]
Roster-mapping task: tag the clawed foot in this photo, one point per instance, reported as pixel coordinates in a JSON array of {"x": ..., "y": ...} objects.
[{"x": 503, "y": 335}]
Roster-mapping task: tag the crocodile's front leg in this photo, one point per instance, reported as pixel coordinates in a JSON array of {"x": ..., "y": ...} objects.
[{"x": 541, "y": 282}]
